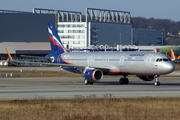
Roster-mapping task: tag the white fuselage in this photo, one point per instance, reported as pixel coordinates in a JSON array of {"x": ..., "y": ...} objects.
[{"x": 122, "y": 62}]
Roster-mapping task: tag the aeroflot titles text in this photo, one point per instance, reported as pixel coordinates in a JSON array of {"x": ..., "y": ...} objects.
[{"x": 136, "y": 54}]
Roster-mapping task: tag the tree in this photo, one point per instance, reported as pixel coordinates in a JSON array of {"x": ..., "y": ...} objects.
[{"x": 158, "y": 24}]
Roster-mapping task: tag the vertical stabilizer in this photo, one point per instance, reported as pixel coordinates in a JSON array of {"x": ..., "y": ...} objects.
[{"x": 55, "y": 41}]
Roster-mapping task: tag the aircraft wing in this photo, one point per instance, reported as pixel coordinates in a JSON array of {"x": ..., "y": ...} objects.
[
  {"x": 103, "y": 68},
  {"x": 35, "y": 57},
  {"x": 63, "y": 65}
]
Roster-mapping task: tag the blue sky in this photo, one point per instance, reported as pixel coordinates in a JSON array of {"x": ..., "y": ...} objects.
[{"x": 163, "y": 9}]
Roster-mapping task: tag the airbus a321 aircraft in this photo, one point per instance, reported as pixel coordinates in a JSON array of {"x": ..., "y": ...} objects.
[{"x": 93, "y": 65}]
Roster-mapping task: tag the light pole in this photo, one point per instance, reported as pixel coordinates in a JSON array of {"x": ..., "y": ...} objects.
[
  {"x": 120, "y": 41},
  {"x": 162, "y": 38}
]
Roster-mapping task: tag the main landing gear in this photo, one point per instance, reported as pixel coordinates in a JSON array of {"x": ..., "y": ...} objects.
[
  {"x": 87, "y": 82},
  {"x": 123, "y": 80},
  {"x": 157, "y": 83}
]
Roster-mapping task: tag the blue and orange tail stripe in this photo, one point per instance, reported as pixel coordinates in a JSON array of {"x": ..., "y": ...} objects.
[
  {"x": 56, "y": 44},
  {"x": 65, "y": 62}
]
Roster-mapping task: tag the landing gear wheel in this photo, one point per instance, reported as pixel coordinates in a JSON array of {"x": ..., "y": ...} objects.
[
  {"x": 121, "y": 81},
  {"x": 157, "y": 83},
  {"x": 91, "y": 83},
  {"x": 126, "y": 80},
  {"x": 86, "y": 82}
]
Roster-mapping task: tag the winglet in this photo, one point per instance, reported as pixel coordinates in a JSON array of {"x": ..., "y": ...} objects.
[
  {"x": 9, "y": 55},
  {"x": 172, "y": 54}
]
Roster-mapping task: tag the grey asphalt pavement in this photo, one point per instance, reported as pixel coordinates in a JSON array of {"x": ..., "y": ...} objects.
[{"x": 68, "y": 88}]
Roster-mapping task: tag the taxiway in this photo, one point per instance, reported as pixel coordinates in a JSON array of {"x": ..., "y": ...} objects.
[{"x": 68, "y": 88}]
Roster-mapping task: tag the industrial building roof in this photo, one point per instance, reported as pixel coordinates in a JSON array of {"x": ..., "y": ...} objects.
[{"x": 26, "y": 46}]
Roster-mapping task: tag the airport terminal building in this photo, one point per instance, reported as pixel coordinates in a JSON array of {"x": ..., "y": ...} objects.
[{"x": 26, "y": 33}]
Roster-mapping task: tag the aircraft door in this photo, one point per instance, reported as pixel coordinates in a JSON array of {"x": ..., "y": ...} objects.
[
  {"x": 90, "y": 60},
  {"x": 148, "y": 60},
  {"x": 121, "y": 61}
]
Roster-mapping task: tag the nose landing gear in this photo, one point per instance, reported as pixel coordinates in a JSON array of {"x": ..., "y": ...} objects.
[{"x": 157, "y": 83}]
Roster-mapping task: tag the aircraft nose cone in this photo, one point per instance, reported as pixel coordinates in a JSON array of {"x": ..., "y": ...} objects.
[{"x": 169, "y": 68}]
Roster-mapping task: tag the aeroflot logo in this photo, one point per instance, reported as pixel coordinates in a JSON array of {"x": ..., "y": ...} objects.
[
  {"x": 54, "y": 37},
  {"x": 136, "y": 54}
]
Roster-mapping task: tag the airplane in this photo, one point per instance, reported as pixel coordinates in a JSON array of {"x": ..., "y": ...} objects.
[{"x": 147, "y": 66}]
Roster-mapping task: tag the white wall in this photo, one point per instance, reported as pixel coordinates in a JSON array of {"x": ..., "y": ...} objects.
[{"x": 73, "y": 34}]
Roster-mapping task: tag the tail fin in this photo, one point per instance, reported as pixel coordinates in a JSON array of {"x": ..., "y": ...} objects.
[
  {"x": 172, "y": 54},
  {"x": 56, "y": 44},
  {"x": 167, "y": 54},
  {"x": 9, "y": 55}
]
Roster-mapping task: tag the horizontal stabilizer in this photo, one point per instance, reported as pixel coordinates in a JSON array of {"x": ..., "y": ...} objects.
[{"x": 35, "y": 57}]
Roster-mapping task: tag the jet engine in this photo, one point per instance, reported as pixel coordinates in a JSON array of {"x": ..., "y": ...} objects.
[
  {"x": 93, "y": 75},
  {"x": 146, "y": 77}
]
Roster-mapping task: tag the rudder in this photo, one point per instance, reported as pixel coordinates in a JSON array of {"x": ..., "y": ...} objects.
[{"x": 55, "y": 41}]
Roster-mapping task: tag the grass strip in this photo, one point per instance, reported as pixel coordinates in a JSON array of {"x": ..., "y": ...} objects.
[{"x": 90, "y": 107}]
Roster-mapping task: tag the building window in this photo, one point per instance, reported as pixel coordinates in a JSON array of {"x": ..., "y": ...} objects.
[
  {"x": 80, "y": 25},
  {"x": 67, "y": 36},
  {"x": 76, "y": 42},
  {"x": 75, "y": 31},
  {"x": 74, "y": 25},
  {"x": 68, "y": 26},
  {"x": 79, "y": 37},
  {"x": 61, "y": 25},
  {"x": 82, "y": 42},
  {"x": 65, "y": 42},
  {"x": 61, "y": 31}
]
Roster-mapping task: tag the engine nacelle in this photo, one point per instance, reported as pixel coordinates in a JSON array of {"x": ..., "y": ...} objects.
[
  {"x": 147, "y": 77},
  {"x": 93, "y": 75}
]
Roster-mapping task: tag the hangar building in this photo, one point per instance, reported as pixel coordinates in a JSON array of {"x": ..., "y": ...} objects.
[
  {"x": 96, "y": 27},
  {"x": 26, "y": 32},
  {"x": 100, "y": 27}
]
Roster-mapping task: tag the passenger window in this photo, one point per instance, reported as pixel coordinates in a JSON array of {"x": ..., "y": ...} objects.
[{"x": 160, "y": 59}]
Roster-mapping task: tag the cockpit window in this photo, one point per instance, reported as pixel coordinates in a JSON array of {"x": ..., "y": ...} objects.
[
  {"x": 157, "y": 60},
  {"x": 165, "y": 59},
  {"x": 162, "y": 59}
]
